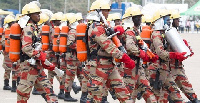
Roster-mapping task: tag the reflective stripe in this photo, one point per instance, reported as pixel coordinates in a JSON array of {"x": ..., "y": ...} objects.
[
  {"x": 82, "y": 52},
  {"x": 7, "y": 46},
  {"x": 64, "y": 33},
  {"x": 45, "y": 43},
  {"x": 146, "y": 38},
  {"x": 57, "y": 33},
  {"x": 45, "y": 31},
  {"x": 14, "y": 52},
  {"x": 16, "y": 34},
  {"x": 62, "y": 45},
  {"x": 55, "y": 45},
  {"x": 80, "y": 34}
]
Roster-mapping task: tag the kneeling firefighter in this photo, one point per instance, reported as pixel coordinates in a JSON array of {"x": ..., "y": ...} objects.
[{"x": 33, "y": 60}]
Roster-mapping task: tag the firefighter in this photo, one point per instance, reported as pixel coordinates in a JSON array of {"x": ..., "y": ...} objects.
[
  {"x": 7, "y": 63},
  {"x": 178, "y": 70},
  {"x": 146, "y": 35},
  {"x": 159, "y": 71},
  {"x": 73, "y": 65},
  {"x": 135, "y": 80},
  {"x": 101, "y": 50},
  {"x": 44, "y": 20},
  {"x": 33, "y": 60},
  {"x": 53, "y": 56},
  {"x": 114, "y": 19}
]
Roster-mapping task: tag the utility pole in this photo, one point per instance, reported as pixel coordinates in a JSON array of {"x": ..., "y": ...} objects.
[
  {"x": 183, "y": 1},
  {"x": 163, "y": 1},
  {"x": 19, "y": 6},
  {"x": 65, "y": 6},
  {"x": 50, "y": 5},
  {"x": 88, "y": 5}
]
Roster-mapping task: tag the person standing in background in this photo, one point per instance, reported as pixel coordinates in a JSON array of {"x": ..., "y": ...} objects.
[
  {"x": 187, "y": 26},
  {"x": 192, "y": 26}
]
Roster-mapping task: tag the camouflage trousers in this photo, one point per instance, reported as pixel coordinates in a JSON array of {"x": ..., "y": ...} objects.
[
  {"x": 138, "y": 85},
  {"x": 182, "y": 82},
  {"x": 74, "y": 67},
  {"x": 8, "y": 66},
  {"x": 161, "y": 80},
  {"x": 34, "y": 76},
  {"x": 16, "y": 72},
  {"x": 51, "y": 74},
  {"x": 103, "y": 74}
]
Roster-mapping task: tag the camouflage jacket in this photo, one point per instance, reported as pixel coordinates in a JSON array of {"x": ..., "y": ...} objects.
[
  {"x": 158, "y": 46},
  {"x": 130, "y": 42},
  {"x": 27, "y": 37},
  {"x": 71, "y": 45},
  {"x": 100, "y": 46}
]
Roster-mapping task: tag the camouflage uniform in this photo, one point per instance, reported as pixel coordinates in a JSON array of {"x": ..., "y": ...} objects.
[
  {"x": 161, "y": 70},
  {"x": 100, "y": 68},
  {"x": 32, "y": 75},
  {"x": 135, "y": 80},
  {"x": 7, "y": 64},
  {"x": 52, "y": 58},
  {"x": 74, "y": 67},
  {"x": 181, "y": 79}
]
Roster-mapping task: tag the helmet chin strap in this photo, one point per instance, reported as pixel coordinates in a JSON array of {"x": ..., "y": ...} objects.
[{"x": 33, "y": 21}]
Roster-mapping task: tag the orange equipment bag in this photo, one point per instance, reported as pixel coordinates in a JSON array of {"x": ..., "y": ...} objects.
[
  {"x": 15, "y": 42},
  {"x": 55, "y": 44},
  {"x": 146, "y": 35},
  {"x": 63, "y": 39},
  {"x": 7, "y": 45},
  {"x": 81, "y": 45},
  {"x": 45, "y": 37},
  {"x": 1, "y": 33}
]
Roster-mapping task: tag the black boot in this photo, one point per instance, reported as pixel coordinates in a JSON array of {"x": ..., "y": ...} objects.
[
  {"x": 61, "y": 94},
  {"x": 76, "y": 88},
  {"x": 35, "y": 92},
  {"x": 18, "y": 79},
  {"x": 13, "y": 89},
  {"x": 194, "y": 101},
  {"x": 104, "y": 99},
  {"x": 6, "y": 85},
  {"x": 112, "y": 93},
  {"x": 68, "y": 97},
  {"x": 83, "y": 97}
]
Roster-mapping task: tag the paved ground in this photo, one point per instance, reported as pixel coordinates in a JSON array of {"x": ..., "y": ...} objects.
[{"x": 192, "y": 65}]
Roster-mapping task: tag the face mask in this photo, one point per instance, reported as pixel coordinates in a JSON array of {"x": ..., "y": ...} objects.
[
  {"x": 62, "y": 24},
  {"x": 23, "y": 21},
  {"x": 73, "y": 25},
  {"x": 166, "y": 20},
  {"x": 159, "y": 24},
  {"x": 128, "y": 23},
  {"x": 112, "y": 23}
]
